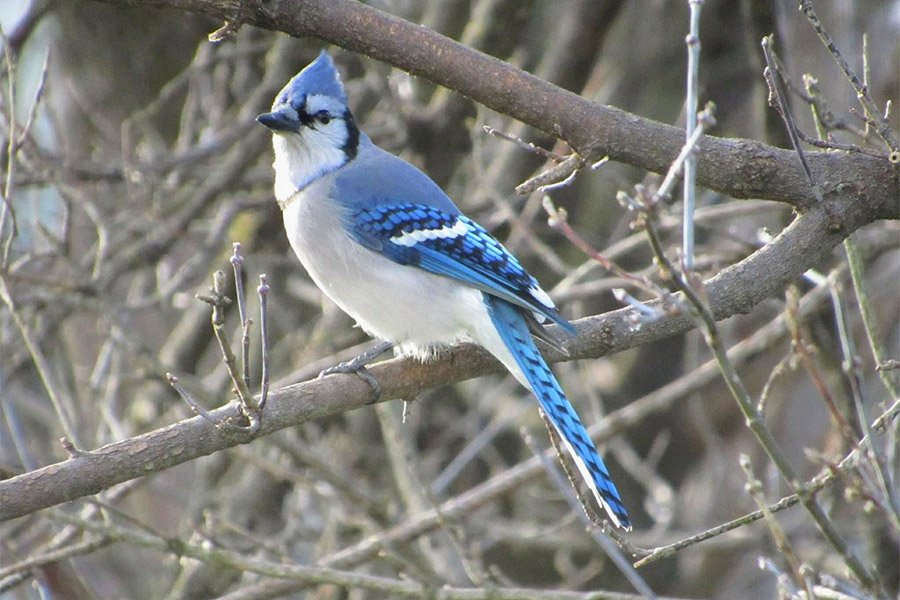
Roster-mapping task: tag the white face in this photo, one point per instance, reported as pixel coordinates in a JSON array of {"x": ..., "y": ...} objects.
[
  {"x": 319, "y": 147},
  {"x": 327, "y": 125}
]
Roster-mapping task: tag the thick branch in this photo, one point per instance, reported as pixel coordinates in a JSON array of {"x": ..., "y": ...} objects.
[
  {"x": 735, "y": 290},
  {"x": 739, "y": 168}
]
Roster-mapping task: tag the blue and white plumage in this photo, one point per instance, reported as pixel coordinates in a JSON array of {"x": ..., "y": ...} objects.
[{"x": 392, "y": 250}]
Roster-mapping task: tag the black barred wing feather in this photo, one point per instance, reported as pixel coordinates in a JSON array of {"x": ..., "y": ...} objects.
[{"x": 454, "y": 246}]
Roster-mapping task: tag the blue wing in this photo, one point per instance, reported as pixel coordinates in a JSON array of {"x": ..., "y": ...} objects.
[{"x": 454, "y": 246}]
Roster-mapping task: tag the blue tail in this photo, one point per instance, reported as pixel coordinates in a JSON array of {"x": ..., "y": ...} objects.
[{"x": 513, "y": 330}]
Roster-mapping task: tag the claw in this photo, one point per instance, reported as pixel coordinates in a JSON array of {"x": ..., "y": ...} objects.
[
  {"x": 357, "y": 366},
  {"x": 360, "y": 371}
]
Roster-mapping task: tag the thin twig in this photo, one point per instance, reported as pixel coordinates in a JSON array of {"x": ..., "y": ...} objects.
[
  {"x": 877, "y": 459},
  {"x": 755, "y": 489},
  {"x": 778, "y": 101},
  {"x": 249, "y": 407},
  {"x": 32, "y": 110},
  {"x": 867, "y": 76},
  {"x": 830, "y": 144},
  {"x": 705, "y": 120},
  {"x": 263, "y": 291},
  {"x": 817, "y": 483},
  {"x": 786, "y": 363},
  {"x": 313, "y": 575},
  {"x": 670, "y": 550},
  {"x": 547, "y": 154},
  {"x": 876, "y": 344},
  {"x": 195, "y": 406},
  {"x": 8, "y": 212},
  {"x": 882, "y": 125},
  {"x": 218, "y": 301},
  {"x": 237, "y": 264},
  {"x": 62, "y": 404},
  {"x": 804, "y": 351},
  {"x": 8, "y": 575},
  {"x": 563, "y": 171},
  {"x": 690, "y": 109},
  {"x": 557, "y": 218}
]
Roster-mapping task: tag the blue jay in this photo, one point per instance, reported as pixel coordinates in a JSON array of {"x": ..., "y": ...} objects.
[{"x": 385, "y": 244}]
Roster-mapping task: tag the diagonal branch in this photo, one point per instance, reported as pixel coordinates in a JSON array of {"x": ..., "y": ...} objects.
[
  {"x": 736, "y": 290},
  {"x": 737, "y": 167}
]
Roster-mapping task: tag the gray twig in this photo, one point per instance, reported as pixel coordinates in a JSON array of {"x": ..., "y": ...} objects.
[{"x": 690, "y": 109}]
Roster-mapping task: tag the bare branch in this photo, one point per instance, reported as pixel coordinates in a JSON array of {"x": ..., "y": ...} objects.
[
  {"x": 735, "y": 290},
  {"x": 739, "y": 168}
]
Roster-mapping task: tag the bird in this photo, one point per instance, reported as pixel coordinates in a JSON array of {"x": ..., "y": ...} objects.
[{"x": 392, "y": 250}]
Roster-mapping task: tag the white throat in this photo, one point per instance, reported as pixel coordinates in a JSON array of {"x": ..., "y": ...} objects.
[{"x": 302, "y": 158}]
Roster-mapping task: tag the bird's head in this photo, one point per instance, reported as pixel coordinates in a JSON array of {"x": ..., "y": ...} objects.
[{"x": 313, "y": 129}]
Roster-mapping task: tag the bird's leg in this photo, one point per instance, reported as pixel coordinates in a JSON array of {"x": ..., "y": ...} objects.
[{"x": 357, "y": 366}]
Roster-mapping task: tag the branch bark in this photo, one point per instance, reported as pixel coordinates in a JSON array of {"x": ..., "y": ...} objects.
[
  {"x": 735, "y": 290},
  {"x": 736, "y": 167}
]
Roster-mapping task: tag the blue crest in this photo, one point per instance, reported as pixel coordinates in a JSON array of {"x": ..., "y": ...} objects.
[{"x": 318, "y": 77}]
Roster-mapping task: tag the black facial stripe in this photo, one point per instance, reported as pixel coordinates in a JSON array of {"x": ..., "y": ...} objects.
[
  {"x": 305, "y": 118},
  {"x": 352, "y": 144}
]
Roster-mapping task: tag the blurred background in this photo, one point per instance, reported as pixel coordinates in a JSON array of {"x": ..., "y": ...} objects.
[{"x": 142, "y": 164}]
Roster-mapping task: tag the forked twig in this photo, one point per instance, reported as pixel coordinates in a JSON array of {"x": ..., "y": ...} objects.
[
  {"x": 250, "y": 407},
  {"x": 643, "y": 203},
  {"x": 872, "y": 114}
]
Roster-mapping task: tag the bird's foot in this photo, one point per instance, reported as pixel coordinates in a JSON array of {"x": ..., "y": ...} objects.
[{"x": 357, "y": 366}]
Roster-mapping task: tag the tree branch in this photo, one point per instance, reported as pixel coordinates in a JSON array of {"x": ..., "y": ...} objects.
[
  {"x": 737, "y": 167},
  {"x": 735, "y": 290}
]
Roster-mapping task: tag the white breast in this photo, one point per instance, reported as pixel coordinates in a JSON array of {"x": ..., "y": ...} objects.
[{"x": 402, "y": 304}]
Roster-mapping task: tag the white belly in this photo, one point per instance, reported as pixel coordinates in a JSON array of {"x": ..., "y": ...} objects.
[{"x": 401, "y": 304}]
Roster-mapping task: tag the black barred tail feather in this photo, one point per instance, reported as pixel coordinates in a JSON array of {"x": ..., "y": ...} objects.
[{"x": 513, "y": 329}]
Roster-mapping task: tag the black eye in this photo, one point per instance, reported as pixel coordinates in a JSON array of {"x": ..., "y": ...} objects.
[{"x": 323, "y": 117}]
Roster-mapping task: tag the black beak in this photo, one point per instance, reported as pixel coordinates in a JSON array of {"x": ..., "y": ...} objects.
[{"x": 283, "y": 119}]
